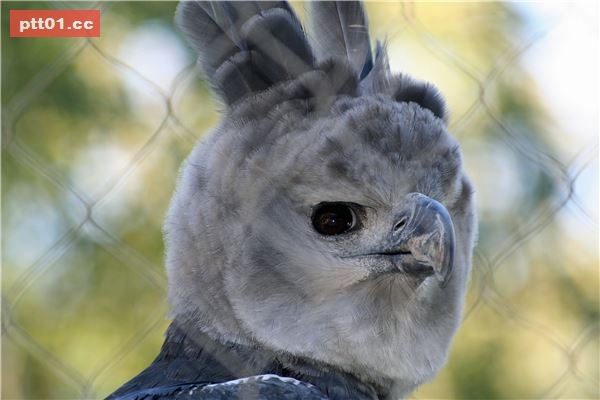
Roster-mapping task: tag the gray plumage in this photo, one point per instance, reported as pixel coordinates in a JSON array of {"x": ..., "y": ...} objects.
[
  {"x": 341, "y": 30},
  {"x": 326, "y": 225},
  {"x": 245, "y": 47}
]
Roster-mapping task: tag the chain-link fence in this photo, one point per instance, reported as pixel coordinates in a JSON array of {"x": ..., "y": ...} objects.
[{"x": 93, "y": 131}]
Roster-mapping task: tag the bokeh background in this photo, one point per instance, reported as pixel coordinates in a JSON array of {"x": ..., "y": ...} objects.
[{"x": 93, "y": 133}]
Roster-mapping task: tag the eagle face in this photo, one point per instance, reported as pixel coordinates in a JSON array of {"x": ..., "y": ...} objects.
[
  {"x": 328, "y": 215},
  {"x": 342, "y": 234}
]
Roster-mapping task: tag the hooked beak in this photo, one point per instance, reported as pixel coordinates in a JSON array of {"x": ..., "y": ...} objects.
[{"x": 421, "y": 242}]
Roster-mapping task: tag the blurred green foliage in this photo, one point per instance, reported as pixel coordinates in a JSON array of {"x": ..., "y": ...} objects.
[{"x": 91, "y": 145}]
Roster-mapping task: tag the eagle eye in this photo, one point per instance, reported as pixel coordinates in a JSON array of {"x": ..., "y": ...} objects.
[{"x": 333, "y": 218}]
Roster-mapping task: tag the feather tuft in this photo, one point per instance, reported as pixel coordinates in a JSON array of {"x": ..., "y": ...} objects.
[
  {"x": 245, "y": 47},
  {"x": 340, "y": 29}
]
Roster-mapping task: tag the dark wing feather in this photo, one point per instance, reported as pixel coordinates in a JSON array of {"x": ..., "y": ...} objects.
[
  {"x": 340, "y": 29},
  {"x": 264, "y": 387}
]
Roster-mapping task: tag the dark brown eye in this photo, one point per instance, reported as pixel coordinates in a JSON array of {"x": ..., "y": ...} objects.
[{"x": 333, "y": 218}]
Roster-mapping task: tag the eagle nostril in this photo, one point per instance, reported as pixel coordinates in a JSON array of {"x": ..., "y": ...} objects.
[{"x": 400, "y": 224}]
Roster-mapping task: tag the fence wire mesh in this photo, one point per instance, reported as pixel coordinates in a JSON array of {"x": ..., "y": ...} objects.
[{"x": 93, "y": 131}]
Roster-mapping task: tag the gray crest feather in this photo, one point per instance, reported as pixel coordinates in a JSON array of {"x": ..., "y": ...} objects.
[
  {"x": 340, "y": 29},
  {"x": 407, "y": 89},
  {"x": 245, "y": 47}
]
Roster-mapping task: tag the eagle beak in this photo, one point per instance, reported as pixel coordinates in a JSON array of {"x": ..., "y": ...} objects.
[{"x": 424, "y": 234}]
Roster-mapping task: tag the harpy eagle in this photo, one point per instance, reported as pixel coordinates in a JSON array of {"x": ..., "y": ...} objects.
[{"x": 319, "y": 242}]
